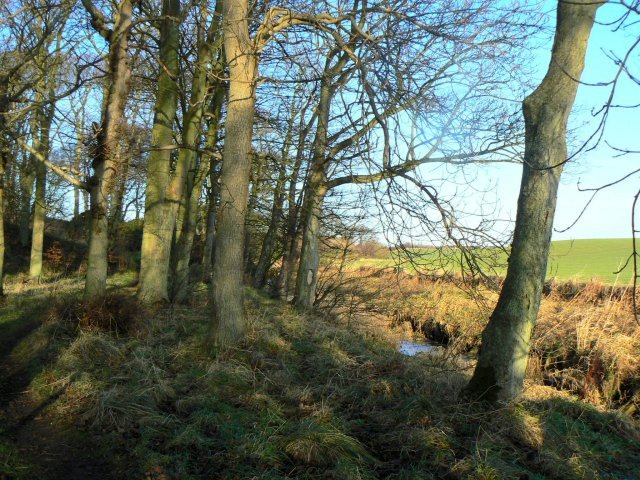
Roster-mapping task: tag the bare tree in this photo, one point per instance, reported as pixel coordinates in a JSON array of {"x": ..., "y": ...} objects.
[
  {"x": 499, "y": 374},
  {"x": 107, "y": 155}
]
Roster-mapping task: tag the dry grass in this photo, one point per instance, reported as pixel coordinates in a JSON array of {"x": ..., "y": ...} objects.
[
  {"x": 585, "y": 342},
  {"x": 313, "y": 397},
  {"x": 116, "y": 312}
]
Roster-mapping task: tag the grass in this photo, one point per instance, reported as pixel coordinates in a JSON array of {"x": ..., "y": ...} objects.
[
  {"x": 579, "y": 260},
  {"x": 305, "y": 397},
  {"x": 595, "y": 259}
]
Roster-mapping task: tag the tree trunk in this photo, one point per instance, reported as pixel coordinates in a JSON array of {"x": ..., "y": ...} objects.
[
  {"x": 159, "y": 216},
  {"x": 4, "y": 156},
  {"x": 210, "y": 235},
  {"x": 269, "y": 241},
  {"x": 116, "y": 216},
  {"x": 195, "y": 182},
  {"x": 307, "y": 278},
  {"x": 185, "y": 233},
  {"x": 290, "y": 254},
  {"x": 255, "y": 180},
  {"x": 3, "y": 160},
  {"x": 41, "y": 129},
  {"x": 41, "y": 144},
  {"x": 76, "y": 190},
  {"x": 228, "y": 323},
  {"x": 499, "y": 374},
  {"x": 315, "y": 192},
  {"x": 27, "y": 180},
  {"x": 106, "y": 156}
]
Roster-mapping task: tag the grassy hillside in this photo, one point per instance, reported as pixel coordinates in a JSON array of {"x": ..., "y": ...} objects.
[
  {"x": 591, "y": 259},
  {"x": 582, "y": 260},
  {"x": 304, "y": 396}
]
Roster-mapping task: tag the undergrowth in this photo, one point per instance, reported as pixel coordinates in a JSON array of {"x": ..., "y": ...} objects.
[
  {"x": 586, "y": 340},
  {"x": 306, "y": 397}
]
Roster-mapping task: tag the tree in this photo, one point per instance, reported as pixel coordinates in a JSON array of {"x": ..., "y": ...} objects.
[
  {"x": 209, "y": 70},
  {"x": 241, "y": 51},
  {"x": 107, "y": 155},
  {"x": 26, "y": 33},
  {"x": 431, "y": 81},
  {"x": 159, "y": 204},
  {"x": 228, "y": 299},
  {"x": 499, "y": 374}
]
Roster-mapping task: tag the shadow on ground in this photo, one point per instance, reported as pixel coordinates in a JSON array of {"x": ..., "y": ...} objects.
[{"x": 35, "y": 441}]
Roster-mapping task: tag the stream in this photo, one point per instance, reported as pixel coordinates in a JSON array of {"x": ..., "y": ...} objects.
[{"x": 414, "y": 347}]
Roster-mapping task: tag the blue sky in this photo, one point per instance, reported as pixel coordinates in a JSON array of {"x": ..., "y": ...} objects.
[{"x": 609, "y": 215}]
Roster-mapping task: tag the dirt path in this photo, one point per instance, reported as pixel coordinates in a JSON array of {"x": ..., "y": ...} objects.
[{"x": 51, "y": 447}]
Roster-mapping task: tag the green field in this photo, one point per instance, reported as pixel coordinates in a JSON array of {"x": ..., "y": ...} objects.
[
  {"x": 582, "y": 260},
  {"x": 591, "y": 259}
]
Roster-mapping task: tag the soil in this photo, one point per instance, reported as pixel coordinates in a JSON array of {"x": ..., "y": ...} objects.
[{"x": 50, "y": 448}]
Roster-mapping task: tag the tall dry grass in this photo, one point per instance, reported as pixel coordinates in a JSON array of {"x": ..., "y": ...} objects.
[{"x": 586, "y": 340}]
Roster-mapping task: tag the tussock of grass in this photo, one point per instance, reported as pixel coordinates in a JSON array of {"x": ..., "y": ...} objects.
[
  {"x": 311, "y": 397},
  {"x": 321, "y": 444}
]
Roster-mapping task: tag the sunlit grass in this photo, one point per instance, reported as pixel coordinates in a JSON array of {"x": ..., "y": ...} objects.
[
  {"x": 580, "y": 260},
  {"x": 308, "y": 397}
]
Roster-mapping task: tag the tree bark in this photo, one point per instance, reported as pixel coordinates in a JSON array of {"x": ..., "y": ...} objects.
[
  {"x": 77, "y": 164},
  {"x": 228, "y": 323},
  {"x": 210, "y": 235},
  {"x": 269, "y": 241},
  {"x": 307, "y": 278},
  {"x": 27, "y": 181},
  {"x": 41, "y": 144},
  {"x": 106, "y": 156},
  {"x": 255, "y": 182},
  {"x": 159, "y": 217},
  {"x": 499, "y": 374},
  {"x": 195, "y": 182},
  {"x": 290, "y": 242}
]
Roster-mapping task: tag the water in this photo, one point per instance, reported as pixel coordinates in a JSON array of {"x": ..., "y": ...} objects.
[{"x": 412, "y": 348}]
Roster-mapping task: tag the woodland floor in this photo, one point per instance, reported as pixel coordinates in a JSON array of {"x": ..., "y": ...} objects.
[
  {"x": 29, "y": 430},
  {"x": 303, "y": 397}
]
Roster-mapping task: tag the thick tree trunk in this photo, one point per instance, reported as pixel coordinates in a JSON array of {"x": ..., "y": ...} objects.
[
  {"x": 105, "y": 162},
  {"x": 159, "y": 216},
  {"x": 228, "y": 323},
  {"x": 499, "y": 374}
]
